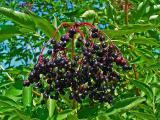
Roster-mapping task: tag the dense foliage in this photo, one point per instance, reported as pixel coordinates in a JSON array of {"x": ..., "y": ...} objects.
[{"x": 131, "y": 25}]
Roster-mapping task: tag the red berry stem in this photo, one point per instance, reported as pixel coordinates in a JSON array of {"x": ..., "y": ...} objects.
[{"x": 80, "y": 32}]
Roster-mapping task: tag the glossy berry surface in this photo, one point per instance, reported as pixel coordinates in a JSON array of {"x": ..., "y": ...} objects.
[{"x": 84, "y": 67}]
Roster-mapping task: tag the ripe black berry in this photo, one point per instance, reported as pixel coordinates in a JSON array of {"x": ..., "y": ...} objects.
[
  {"x": 63, "y": 37},
  {"x": 95, "y": 47},
  {"x": 94, "y": 30},
  {"x": 86, "y": 70},
  {"x": 102, "y": 38},
  {"x": 72, "y": 31},
  {"x": 49, "y": 51},
  {"x": 94, "y": 35},
  {"x": 87, "y": 44}
]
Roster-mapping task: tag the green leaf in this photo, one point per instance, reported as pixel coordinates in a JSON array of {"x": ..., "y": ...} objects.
[
  {"x": 6, "y": 83},
  {"x": 13, "y": 93},
  {"x": 89, "y": 14},
  {"x": 5, "y": 101},
  {"x": 62, "y": 115},
  {"x": 146, "y": 41},
  {"x": 141, "y": 10},
  {"x": 8, "y": 31},
  {"x": 43, "y": 24},
  {"x": 27, "y": 96},
  {"x": 145, "y": 88},
  {"x": 29, "y": 20},
  {"x": 6, "y": 109},
  {"x": 143, "y": 116},
  {"x": 51, "y": 104},
  {"x": 137, "y": 60},
  {"x": 132, "y": 28},
  {"x": 153, "y": 17},
  {"x": 124, "y": 105},
  {"x": 18, "y": 17},
  {"x": 88, "y": 111}
]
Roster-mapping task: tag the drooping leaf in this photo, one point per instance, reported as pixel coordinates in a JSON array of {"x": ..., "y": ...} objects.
[
  {"x": 8, "y": 31},
  {"x": 143, "y": 116},
  {"x": 6, "y": 109},
  {"x": 43, "y": 24},
  {"x": 6, "y": 83},
  {"x": 145, "y": 88},
  {"x": 18, "y": 17},
  {"x": 137, "y": 60},
  {"x": 132, "y": 28},
  {"x": 124, "y": 105},
  {"x": 146, "y": 41},
  {"x": 5, "y": 101},
  {"x": 30, "y": 20}
]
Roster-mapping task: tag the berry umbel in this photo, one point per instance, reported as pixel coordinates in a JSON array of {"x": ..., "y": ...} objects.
[{"x": 82, "y": 66}]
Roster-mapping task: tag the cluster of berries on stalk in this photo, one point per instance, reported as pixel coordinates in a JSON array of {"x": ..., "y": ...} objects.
[{"x": 81, "y": 65}]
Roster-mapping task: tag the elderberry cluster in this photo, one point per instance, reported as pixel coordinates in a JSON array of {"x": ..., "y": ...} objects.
[{"x": 85, "y": 69}]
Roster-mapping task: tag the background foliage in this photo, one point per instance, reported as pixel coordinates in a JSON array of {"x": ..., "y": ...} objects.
[{"x": 26, "y": 25}]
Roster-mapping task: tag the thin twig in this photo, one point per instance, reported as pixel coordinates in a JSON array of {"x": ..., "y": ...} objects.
[
  {"x": 126, "y": 12},
  {"x": 36, "y": 93}
]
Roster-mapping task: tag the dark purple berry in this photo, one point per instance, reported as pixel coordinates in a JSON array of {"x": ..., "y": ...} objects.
[
  {"x": 94, "y": 30},
  {"x": 95, "y": 47},
  {"x": 63, "y": 38},
  {"x": 102, "y": 38},
  {"x": 94, "y": 35},
  {"x": 72, "y": 31}
]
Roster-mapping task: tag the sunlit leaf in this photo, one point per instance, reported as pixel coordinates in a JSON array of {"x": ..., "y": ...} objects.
[
  {"x": 43, "y": 24},
  {"x": 51, "y": 106},
  {"x": 143, "y": 116},
  {"x": 27, "y": 96},
  {"x": 124, "y": 105},
  {"x": 19, "y": 17},
  {"x": 145, "y": 88},
  {"x": 62, "y": 115}
]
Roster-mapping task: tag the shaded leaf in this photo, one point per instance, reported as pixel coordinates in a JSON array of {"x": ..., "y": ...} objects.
[{"x": 88, "y": 111}]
